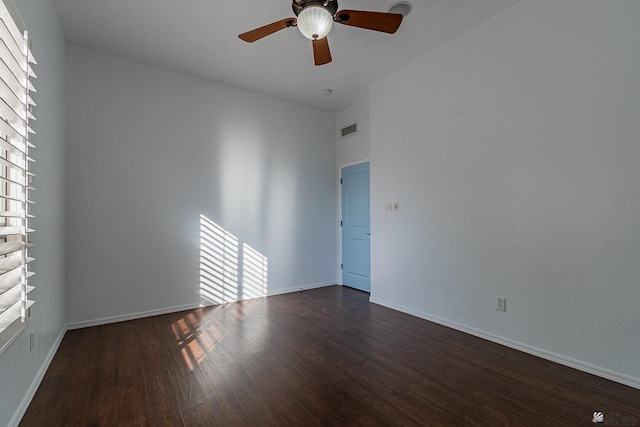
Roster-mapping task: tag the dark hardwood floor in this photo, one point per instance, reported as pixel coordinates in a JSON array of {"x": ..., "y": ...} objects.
[{"x": 321, "y": 357}]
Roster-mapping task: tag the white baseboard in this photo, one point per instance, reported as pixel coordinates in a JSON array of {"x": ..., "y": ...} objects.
[
  {"x": 33, "y": 388},
  {"x": 132, "y": 316},
  {"x": 167, "y": 310},
  {"x": 301, "y": 288},
  {"x": 554, "y": 357}
]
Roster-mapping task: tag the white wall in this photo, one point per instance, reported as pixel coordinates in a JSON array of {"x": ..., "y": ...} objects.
[
  {"x": 353, "y": 148},
  {"x": 151, "y": 150},
  {"x": 19, "y": 368},
  {"x": 514, "y": 153}
]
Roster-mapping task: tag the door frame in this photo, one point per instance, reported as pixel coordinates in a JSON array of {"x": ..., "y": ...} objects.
[{"x": 339, "y": 210}]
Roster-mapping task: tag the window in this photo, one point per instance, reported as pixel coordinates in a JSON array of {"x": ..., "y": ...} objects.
[{"x": 15, "y": 179}]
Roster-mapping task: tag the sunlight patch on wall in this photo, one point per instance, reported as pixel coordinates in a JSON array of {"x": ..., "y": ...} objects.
[
  {"x": 229, "y": 272},
  {"x": 218, "y": 263},
  {"x": 254, "y": 272}
]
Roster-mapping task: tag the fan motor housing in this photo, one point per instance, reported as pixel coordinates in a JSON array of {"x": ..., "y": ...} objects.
[{"x": 330, "y": 5}]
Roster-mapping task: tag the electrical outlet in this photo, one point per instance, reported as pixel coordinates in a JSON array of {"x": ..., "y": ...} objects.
[
  {"x": 396, "y": 206},
  {"x": 32, "y": 341},
  {"x": 501, "y": 304}
]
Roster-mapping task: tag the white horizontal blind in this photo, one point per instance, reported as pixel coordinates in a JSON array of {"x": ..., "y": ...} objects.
[{"x": 15, "y": 178}]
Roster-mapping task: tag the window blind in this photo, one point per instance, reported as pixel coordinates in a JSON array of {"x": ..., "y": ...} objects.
[{"x": 16, "y": 107}]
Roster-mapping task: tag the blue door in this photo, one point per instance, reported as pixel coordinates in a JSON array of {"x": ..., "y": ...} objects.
[{"x": 356, "y": 238}]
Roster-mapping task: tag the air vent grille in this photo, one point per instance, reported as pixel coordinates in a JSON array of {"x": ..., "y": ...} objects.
[{"x": 349, "y": 130}]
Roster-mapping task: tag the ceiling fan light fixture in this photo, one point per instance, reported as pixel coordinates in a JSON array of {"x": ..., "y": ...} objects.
[{"x": 315, "y": 22}]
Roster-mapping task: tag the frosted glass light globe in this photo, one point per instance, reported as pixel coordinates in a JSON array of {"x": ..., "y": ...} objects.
[{"x": 315, "y": 22}]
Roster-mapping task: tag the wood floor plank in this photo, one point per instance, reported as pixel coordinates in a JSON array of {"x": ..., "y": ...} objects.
[{"x": 324, "y": 357}]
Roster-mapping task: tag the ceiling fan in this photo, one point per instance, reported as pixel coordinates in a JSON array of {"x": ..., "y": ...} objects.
[{"x": 315, "y": 19}]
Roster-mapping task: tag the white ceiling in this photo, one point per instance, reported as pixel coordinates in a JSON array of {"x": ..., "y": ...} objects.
[{"x": 200, "y": 38}]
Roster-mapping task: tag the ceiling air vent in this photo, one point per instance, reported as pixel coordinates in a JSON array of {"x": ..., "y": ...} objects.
[{"x": 349, "y": 130}]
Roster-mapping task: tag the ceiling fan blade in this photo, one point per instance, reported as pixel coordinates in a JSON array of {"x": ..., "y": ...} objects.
[
  {"x": 377, "y": 21},
  {"x": 321, "y": 52},
  {"x": 258, "y": 33}
]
